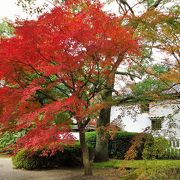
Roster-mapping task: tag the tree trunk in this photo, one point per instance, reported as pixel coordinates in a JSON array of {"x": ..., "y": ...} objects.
[
  {"x": 85, "y": 154},
  {"x": 101, "y": 149}
]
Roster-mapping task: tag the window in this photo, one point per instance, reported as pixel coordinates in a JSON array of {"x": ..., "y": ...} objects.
[
  {"x": 175, "y": 143},
  {"x": 156, "y": 123},
  {"x": 144, "y": 108}
]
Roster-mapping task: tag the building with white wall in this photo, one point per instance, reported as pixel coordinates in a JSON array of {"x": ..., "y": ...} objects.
[{"x": 158, "y": 117}]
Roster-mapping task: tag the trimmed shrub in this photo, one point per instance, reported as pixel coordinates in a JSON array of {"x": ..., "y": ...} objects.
[
  {"x": 70, "y": 157},
  {"x": 91, "y": 139},
  {"x": 172, "y": 153},
  {"x": 153, "y": 173},
  {"x": 23, "y": 161},
  {"x": 155, "y": 148},
  {"x": 120, "y": 144},
  {"x": 148, "y": 147}
]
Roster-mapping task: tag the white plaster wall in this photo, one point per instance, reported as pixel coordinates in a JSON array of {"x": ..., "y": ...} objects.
[
  {"x": 164, "y": 108},
  {"x": 133, "y": 121},
  {"x": 171, "y": 112},
  {"x": 177, "y": 118}
]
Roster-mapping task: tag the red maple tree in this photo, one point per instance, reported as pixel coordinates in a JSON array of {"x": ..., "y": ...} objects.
[{"x": 58, "y": 64}]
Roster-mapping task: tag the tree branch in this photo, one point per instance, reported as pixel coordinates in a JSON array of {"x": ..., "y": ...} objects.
[
  {"x": 127, "y": 74},
  {"x": 119, "y": 2},
  {"x": 156, "y": 4}
]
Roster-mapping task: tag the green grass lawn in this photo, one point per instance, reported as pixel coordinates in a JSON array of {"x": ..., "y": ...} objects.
[{"x": 138, "y": 163}]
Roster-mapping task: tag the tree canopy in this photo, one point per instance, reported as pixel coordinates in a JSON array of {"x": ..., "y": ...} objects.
[{"x": 66, "y": 56}]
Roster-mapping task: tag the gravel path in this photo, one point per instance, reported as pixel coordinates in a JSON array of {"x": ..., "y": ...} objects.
[{"x": 8, "y": 173}]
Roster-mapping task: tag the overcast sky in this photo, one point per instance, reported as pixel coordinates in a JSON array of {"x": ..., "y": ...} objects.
[{"x": 10, "y": 10}]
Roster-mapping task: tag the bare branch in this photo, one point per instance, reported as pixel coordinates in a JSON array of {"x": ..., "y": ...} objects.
[
  {"x": 127, "y": 74},
  {"x": 125, "y": 4},
  {"x": 156, "y": 4}
]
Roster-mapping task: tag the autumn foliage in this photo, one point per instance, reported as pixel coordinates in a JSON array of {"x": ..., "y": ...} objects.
[{"x": 55, "y": 66}]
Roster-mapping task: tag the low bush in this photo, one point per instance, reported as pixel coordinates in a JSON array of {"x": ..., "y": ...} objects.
[
  {"x": 22, "y": 160},
  {"x": 172, "y": 153},
  {"x": 148, "y": 147},
  {"x": 91, "y": 138},
  {"x": 155, "y": 148},
  {"x": 144, "y": 169},
  {"x": 120, "y": 144},
  {"x": 70, "y": 157},
  {"x": 152, "y": 173}
]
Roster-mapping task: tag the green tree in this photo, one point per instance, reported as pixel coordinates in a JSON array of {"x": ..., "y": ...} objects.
[
  {"x": 6, "y": 30},
  {"x": 159, "y": 27}
]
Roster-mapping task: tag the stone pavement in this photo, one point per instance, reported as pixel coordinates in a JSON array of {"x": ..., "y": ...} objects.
[{"x": 8, "y": 173}]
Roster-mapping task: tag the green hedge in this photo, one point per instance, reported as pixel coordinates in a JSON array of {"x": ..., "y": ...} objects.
[
  {"x": 91, "y": 139},
  {"x": 148, "y": 148},
  {"x": 172, "y": 153},
  {"x": 70, "y": 157},
  {"x": 118, "y": 146},
  {"x": 23, "y": 161}
]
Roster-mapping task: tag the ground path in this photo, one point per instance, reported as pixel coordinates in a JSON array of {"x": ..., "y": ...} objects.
[{"x": 8, "y": 173}]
